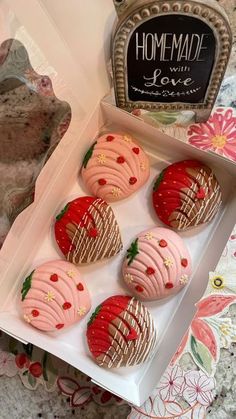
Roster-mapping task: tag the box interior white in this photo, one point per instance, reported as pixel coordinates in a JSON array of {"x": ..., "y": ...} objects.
[{"x": 103, "y": 279}]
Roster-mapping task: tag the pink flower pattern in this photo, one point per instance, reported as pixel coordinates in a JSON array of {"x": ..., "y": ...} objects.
[
  {"x": 7, "y": 364},
  {"x": 171, "y": 384},
  {"x": 199, "y": 388},
  {"x": 218, "y": 134}
]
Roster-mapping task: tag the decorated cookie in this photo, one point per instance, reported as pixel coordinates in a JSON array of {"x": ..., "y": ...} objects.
[
  {"x": 115, "y": 167},
  {"x": 86, "y": 231},
  {"x": 54, "y": 296},
  {"x": 157, "y": 264},
  {"x": 186, "y": 194},
  {"x": 121, "y": 332}
]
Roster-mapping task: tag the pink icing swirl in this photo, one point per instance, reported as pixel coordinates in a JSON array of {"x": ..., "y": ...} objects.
[
  {"x": 160, "y": 266},
  {"x": 117, "y": 168},
  {"x": 57, "y": 296}
]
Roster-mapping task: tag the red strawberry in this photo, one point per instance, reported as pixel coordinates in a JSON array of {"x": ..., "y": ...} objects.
[
  {"x": 171, "y": 188},
  {"x": 74, "y": 210},
  {"x": 135, "y": 150},
  {"x": 78, "y": 221},
  {"x": 109, "y": 310}
]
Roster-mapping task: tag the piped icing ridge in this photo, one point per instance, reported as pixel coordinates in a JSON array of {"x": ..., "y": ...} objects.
[
  {"x": 115, "y": 167},
  {"x": 157, "y": 264}
]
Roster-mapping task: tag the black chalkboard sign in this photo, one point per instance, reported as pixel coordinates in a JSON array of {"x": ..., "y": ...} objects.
[{"x": 170, "y": 59}]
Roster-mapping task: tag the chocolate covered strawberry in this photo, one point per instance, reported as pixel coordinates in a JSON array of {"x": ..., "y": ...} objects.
[
  {"x": 121, "y": 332},
  {"x": 186, "y": 194},
  {"x": 86, "y": 231}
]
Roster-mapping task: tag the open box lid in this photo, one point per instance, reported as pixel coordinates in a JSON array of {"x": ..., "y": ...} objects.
[{"x": 69, "y": 44}]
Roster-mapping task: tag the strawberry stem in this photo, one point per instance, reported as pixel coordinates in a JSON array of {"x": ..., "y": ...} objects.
[
  {"x": 132, "y": 251},
  {"x": 88, "y": 155},
  {"x": 60, "y": 215},
  {"x": 26, "y": 286}
]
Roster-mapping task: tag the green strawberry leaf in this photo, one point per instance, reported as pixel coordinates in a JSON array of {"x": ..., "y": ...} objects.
[
  {"x": 32, "y": 380},
  {"x": 63, "y": 211},
  {"x": 94, "y": 315},
  {"x": 88, "y": 155},
  {"x": 201, "y": 355},
  {"x": 158, "y": 181},
  {"x": 26, "y": 286},
  {"x": 132, "y": 251}
]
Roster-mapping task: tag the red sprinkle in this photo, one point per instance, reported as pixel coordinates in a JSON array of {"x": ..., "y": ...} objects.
[
  {"x": 35, "y": 313},
  {"x": 201, "y": 194},
  {"x": 139, "y": 288},
  {"x": 80, "y": 287},
  {"x": 162, "y": 243},
  {"x": 102, "y": 182},
  {"x": 59, "y": 326},
  {"x": 135, "y": 150},
  {"x": 184, "y": 262},
  {"x": 169, "y": 285},
  {"x": 110, "y": 138},
  {"x": 93, "y": 232},
  {"x": 54, "y": 278},
  {"x": 132, "y": 180},
  {"x": 150, "y": 270},
  {"x": 66, "y": 306},
  {"x": 120, "y": 159}
]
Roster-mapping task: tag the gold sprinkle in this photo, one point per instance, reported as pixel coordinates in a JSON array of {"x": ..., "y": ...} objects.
[
  {"x": 127, "y": 138},
  {"x": 149, "y": 236},
  {"x": 101, "y": 158},
  {"x": 27, "y": 318},
  {"x": 184, "y": 279},
  {"x": 49, "y": 296},
  {"x": 168, "y": 262},
  {"x": 71, "y": 274},
  {"x": 116, "y": 192},
  {"x": 81, "y": 311},
  {"x": 142, "y": 166},
  {"x": 128, "y": 278}
]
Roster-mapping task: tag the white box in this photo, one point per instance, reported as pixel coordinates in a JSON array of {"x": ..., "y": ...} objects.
[{"x": 36, "y": 244}]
